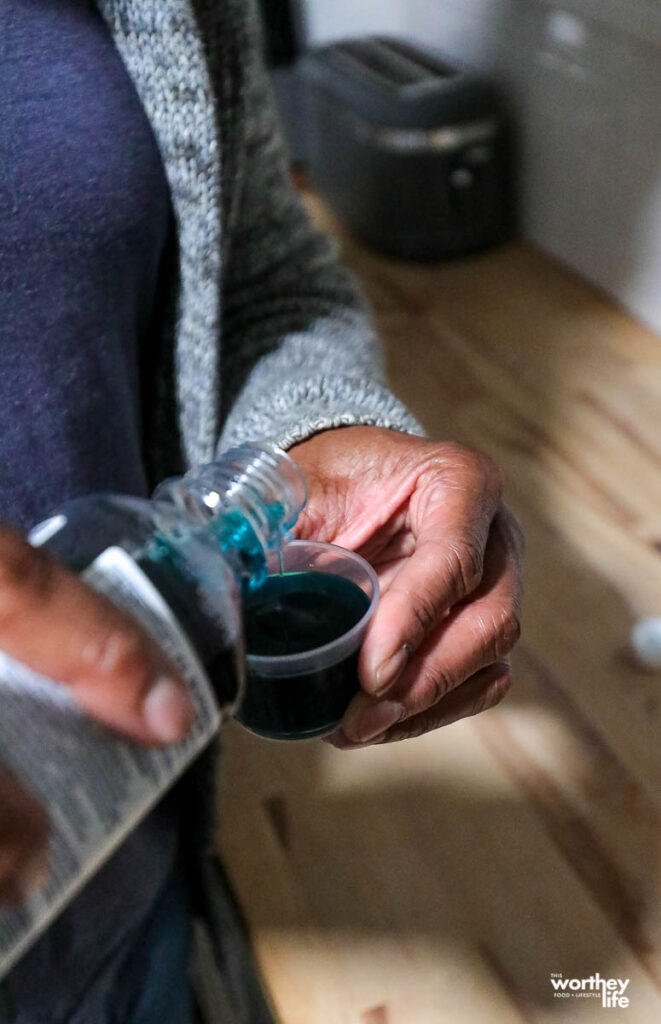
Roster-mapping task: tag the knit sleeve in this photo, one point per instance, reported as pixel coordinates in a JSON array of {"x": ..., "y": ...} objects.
[{"x": 299, "y": 354}]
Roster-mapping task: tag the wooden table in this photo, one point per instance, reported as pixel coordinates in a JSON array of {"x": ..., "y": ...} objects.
[{"x": 446, "y": 878}]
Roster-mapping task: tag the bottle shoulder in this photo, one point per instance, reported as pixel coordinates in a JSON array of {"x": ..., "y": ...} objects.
[
  {"x": 236, "y": 511},
  {"x": 83, "y": 528}
]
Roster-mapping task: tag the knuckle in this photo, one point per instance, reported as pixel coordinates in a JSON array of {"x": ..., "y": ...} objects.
[
  {"x": 494, "y": 693},
  {"x": 436, "y": 683},
  {"x": 465, "y": 566},
  {"x": 463, "y": 464},
  {"x": 423, "y": 607},
  {"x": 508, "y": 632},
  {"x": 119, "y": 652},
  {"x": 497, "y": 636},
  {"x": 478, "y": 464},
  {"x": 501, "y": 688},
  {"x": 497, "y": 690},
  {"x": 418, "y": 609}
]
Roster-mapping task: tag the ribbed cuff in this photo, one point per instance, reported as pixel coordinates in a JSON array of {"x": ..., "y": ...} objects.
[{"x": 309, "y": 406}]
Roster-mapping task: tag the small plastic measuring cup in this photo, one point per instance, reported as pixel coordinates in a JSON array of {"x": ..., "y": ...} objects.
[{"x": 300, "y": 693}]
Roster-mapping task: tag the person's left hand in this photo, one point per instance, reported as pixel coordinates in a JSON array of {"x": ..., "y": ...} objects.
[{"x": 430, "y": 519}]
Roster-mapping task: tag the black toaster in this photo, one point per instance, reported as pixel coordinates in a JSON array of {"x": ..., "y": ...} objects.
[{"x": 412, "y": 153}]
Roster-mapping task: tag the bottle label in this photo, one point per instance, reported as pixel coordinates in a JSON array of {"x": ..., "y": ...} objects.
[{"x": 94, "y": 785}]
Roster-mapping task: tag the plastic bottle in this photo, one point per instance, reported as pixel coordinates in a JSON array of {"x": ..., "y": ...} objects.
[
  {"x": 201, "y": 540},
  {"x": 177, "y": 564}
]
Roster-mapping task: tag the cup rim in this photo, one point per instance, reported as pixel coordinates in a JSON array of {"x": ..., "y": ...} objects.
[{"x": 345, "y": 641}]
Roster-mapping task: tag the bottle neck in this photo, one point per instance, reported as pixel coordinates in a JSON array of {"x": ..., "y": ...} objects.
[{"x": 248, "y": 501}]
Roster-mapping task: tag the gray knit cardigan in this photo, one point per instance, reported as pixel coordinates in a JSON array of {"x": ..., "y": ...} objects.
[{"x": 262, "y": 334}]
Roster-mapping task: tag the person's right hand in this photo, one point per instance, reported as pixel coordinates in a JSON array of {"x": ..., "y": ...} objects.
[{"x": 56, "y": 625}]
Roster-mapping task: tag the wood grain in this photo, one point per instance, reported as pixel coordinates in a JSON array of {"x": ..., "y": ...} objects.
[{"x": 444, "y": 879}]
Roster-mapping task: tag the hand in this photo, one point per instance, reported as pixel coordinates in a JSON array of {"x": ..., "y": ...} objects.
[
  {"x": 53, "y": 623},
  {"x": 430, "y": 519}
]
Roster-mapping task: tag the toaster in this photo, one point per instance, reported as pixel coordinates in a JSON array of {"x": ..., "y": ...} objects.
[{"x": 412, "y": 153}]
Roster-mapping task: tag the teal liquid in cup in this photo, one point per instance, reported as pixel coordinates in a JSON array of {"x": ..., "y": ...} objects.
[{"x": 303, "y": 630}]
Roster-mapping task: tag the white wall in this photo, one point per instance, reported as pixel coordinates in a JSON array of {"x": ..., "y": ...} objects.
[
  {"x": 330, "y": 19},
  {"x": 584, "y": 77}
]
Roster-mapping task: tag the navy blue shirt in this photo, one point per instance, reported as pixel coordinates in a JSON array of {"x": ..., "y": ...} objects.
[
  {"x": 84, "y": 216},
  {"x": 84, "y": 221}
]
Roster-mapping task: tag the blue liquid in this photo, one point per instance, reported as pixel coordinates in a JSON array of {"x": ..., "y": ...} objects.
[
  {"x": 289, "y": 614},
  {"x": 214, "y": 649}
]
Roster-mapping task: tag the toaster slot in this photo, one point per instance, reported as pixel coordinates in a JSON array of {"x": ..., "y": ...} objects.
[
  {"x": 363, "y": 59},
  {"x": 423, "y": 61},
  {"x": 389, "y": 66},
  {"x": 399, "y": 67}
]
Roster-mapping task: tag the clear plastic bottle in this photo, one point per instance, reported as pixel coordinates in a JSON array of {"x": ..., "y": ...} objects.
[
  {"x": 201, "y": 540},
  {"x": 178, "y": 565}
]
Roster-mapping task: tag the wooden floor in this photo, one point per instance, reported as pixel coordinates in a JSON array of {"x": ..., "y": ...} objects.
[{"x": 445, "y": 879}]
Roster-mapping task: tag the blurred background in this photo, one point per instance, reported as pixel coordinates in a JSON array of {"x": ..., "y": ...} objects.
[{"x": 492, "y": 172}]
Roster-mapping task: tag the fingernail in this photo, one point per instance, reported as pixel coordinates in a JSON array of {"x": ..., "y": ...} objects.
[
  {"x": 339, "y": 740},
  {"x": 372, "y": 721},
  {"x": 389, "y": 671},
  {"x": 168, "y": 710}
]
